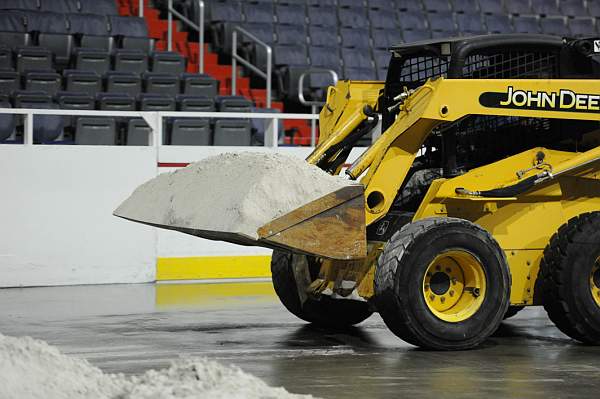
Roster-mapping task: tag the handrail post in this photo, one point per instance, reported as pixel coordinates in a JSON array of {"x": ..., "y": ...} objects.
[
  {"x": 28, "y": 132},
  {"x": 269, "y": 73},
  {"x": 272, "y": 133},
  {"x": 201, "y": 36},
  {"x": 234, "y": 62},
  {"x": 141, "y": 8},
  {"x": 313, "y": 104},
  {"x": 170, "y": 30}
]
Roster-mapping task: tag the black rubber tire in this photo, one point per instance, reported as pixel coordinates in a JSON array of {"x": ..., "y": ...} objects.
[
  {"x": 327, "y": 312},
  {"x": 512, "y": 311},
  {"x": 399, "y": 278},
  {"x": 564, "y": 278}
]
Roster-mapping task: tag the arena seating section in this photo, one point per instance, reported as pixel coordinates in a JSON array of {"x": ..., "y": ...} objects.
[{"x": 96, "y": 54}]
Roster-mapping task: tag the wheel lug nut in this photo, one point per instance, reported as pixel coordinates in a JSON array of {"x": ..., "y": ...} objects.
[
  {"x": 438, "y": 268},
  {"x": 426, "y": 287},
  {"x": 448, "y": 270},
  {"x": 432, "y": 297},
  {"x": 451, "y": 293},
  {"x": 443, "y": 299}
]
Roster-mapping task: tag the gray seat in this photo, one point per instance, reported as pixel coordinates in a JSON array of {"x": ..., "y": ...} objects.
[
  {"x": 190, "y": 131},
  {"x": 123, "y": 82},
  {"x": 115, "y": 102},
  {"x": 48, "y": 82},
  {"x": 199, "y": 85},
  {"x": 33, "y": 59},
  {"x": 7, "y": 122},
  {"x": 46, "y": 128},
  {"x": 95, "y": 60},
  {"x": 130, "y": 61},
  {"x": 96, "y": 131},
  {"x": 74, "y": 101},
  {"x": 9, "y": 82},
  {"x": 138, "y": 132},
  {"x": 161, "y": 83},
  {"x": 88, "y": 82},
  {"x": 6, "y": 58},
  {"x": 232, "y": 132},
  {"x": 168, "y": 62}
]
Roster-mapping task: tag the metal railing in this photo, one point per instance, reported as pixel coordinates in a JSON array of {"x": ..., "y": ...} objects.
[
  {"x": 235, "y": 58},
  {"x": 155, "y": 120},
  {"x": 197, "y": 27},
  {"x": 313, "y": 103}
]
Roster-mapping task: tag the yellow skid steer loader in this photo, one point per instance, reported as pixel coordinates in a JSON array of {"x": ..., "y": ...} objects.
[{"x": 480, "y": 196}]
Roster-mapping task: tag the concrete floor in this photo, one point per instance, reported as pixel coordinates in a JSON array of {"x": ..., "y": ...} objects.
[{"x": 131, "y": 328}]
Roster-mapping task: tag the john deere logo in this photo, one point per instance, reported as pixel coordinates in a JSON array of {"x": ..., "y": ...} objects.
[{"x": 563, "y": 100}]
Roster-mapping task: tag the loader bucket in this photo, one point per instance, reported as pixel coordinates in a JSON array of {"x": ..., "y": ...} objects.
[{"x": 332, "y": 226}]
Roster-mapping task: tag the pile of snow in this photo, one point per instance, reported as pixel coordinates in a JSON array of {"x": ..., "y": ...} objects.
[
  {"x": 231, "y": 192},
  {"x": 32, "y": 369}
]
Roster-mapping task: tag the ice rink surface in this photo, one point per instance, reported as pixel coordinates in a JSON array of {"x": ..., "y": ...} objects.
[{"x": 131, "y": 328}]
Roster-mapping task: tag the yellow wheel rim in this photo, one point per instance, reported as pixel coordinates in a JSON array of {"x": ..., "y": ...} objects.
[
  {"x": 454, "y": 285},
  {"x": 595, "y": 282}
]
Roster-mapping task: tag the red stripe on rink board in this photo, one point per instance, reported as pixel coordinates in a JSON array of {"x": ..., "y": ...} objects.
[{"x": 173, "y": 164}]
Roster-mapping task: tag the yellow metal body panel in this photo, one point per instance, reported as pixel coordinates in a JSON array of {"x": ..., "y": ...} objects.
[{"x": 523, "y": 224}]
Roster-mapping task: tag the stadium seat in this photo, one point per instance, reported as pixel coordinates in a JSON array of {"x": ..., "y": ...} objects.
[
  {"x": 322, "y": 36},
  {"x": 199, "y": 85},
  {"x": 545, "y": 7},
  {"x": 89, "y": 24},
  {"x": 138, "y": 132},
  {"x": 87, "y": 82},
  {"x": 355, "y": 37},
  {"x": 61, "y": 6},
  {"x": 382, "y": 60},
  {"x": 354, "y": 17},
  {"x": 436, "y": 5},
  {"x": 382, "y": 19},
  {"x": 100, "y": 7},
  {"x": 116, "y": 102},
  {"x": 74, "y": 101},
  {"x": 96, "y": 131},
  {"x": 413, "y": 20},
  {"x": 582, "y": 27},
  {"x": 441, "y": 22},
  {"x": 130, "y": 61},
  {"x": 46, "y": 128},
  {"x": 322, "y": 16},
  {"x": 144, "y": 44},
  {"x": 195, "y": 103},
  {"x": 465, "y": 6},
  {"x": 291, "y": 14},
  {"x": 554, "y": 26},
  {"x": 225, "y": 11},
  {"x": 496, "y": 23},
  {"x": 573, "y": 8},
  {"x": 14, "y": 40},
  {"x": 160, "y": 83},
  {"x": 415, "y": 35},
  {"x": 290, "y": 34},
  {"x": 7, "y": 122},
  {"x": 232, "y": 104},
  {"x": 385, "y": 38},
  {"x": 128, "y": 26},
  {"x": 519, "y": 7},
  {"x": 33, "y": 59},
  {"x": 6, "y": 58},
  {"x": 9, "y": 82},
  {"x": 94, "y": 60},
  {"x": 491, "y": 7},
  {"x": 525, "y": 25},
  {"x": 19, "y": 4},
  {"x": 48, "y": 82},
  {"x": 61, "y": 45},
  {"x": 259, "y": 12},
  {"x": 168, "y": 62},
  {"x": 156, "y": 102},
  {"x": 469, "y": 23},
  {"x": 190, "y": 131},
  {"x": 262, "y": 30},
  {"x": 323, "y": 57},
  {"x": 123, "y": 82},
  {"x": 594, "y": 8},
  {"x": 408, "y": 5},
  {"x": 232, "y": 132}
]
